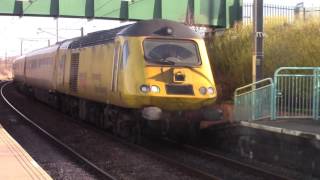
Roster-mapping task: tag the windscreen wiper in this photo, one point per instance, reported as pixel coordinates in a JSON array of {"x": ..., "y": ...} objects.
[{"x": 166, "y": 62}]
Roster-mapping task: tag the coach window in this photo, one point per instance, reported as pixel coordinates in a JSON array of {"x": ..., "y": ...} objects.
[
  {"x": 125, "y": 54},
  {"x": 62, "y": 62}
]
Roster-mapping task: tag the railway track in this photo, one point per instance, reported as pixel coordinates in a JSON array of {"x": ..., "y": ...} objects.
[
  {"x": 240, "y": 166},
  {"x": 191, "y": 170},
  {"x": 262, "y": 173},
  {"x": 195, "y": 170},
  {"x": 186, "y": 169},
  {"x": 209, "y": 162},
  {"x": 102, "y": 173}
]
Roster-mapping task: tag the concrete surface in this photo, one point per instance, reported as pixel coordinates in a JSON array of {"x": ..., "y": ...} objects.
[{"x": 15, "y": 162}]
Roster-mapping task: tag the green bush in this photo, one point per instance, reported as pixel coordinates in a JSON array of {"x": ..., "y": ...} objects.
[{"x": 296, "y": 44}]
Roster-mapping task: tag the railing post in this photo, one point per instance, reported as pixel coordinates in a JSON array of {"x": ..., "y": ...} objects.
[
  {"x": 235, "y": 107},
  {"x": 315, "y": 109},
  {"x": 316, "y": 94},
  {"x": 272, "y": 104},
  {"x": 253, "y": 97},
  {"x": 274, "y": 96}
]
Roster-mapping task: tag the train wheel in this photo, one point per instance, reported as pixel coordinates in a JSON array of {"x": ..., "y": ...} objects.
[
  {"x": 107, "y": 123},
  {"x": 63, "y": 105},
  {"x": 74, "y": 109},
  {"x": 193, "y": 131},
  {"x": 121, "y": 126},
  {"x": 100, "y": 118},
  {"x": 136, "y": 132},
  {"x": 127, "y": 127}
]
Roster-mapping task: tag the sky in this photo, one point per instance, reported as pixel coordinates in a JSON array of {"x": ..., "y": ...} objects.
[{"x": 34, "y": 32}]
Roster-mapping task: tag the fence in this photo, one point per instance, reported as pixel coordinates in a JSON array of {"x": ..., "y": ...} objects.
[
  {"x": 295, "y": 93},
  {"x": 270, "y": 13},
  {"x": 278, "y": 13},
  {"x": 254, "y": 101}
]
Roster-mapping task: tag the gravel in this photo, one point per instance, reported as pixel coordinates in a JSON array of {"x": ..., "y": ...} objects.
[
  {"x": 112, "y": 156},
  {"x": 52, "y": 159},
  {"x": 202, "y": 162}
]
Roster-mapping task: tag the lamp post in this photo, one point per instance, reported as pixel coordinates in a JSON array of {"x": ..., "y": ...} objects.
[
  {"x": 21, "y": 47},
  {"x": 57, "y": 29},
  {"x": 6, "y": 58}
]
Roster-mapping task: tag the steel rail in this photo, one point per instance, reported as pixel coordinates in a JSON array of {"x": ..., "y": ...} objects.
[
  {"x": 195, "y": 171},
  {"x": 68, "y": 148},
  {"x": 237, "y": 164},
  {"x": 159, "y": 156},
  {"x": 190, "y": 169}
]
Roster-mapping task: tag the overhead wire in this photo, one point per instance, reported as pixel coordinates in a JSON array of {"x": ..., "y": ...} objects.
[
  {"x": 103, "y": 5},
  {"x": 135, "y": 2},
  {"x": 30, "y": 3}
]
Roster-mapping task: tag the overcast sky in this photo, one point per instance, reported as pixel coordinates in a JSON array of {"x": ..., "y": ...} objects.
[{"x": 34, "y": 32}]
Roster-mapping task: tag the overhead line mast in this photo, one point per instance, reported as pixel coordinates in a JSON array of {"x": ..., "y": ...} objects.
[{"x": 257, "y": 54}]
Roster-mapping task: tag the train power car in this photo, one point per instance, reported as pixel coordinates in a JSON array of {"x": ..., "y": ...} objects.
[{"x": 149, "y": 74}]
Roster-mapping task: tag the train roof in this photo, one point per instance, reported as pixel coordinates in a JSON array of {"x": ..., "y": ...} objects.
[
  {"x": 19, "y": 58},
  {"x": 155, "y": 28},
  {"x": 159, "y": 27},
  {"x": 95, "y": 38}
]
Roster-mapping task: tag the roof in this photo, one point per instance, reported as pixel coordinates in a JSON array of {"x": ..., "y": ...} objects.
[
  {"x": 95, "y": 38},
  {"x": 156, "y": 28}
]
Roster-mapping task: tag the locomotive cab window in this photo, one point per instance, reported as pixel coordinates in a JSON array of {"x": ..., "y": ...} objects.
[{"x": 171, "y": 52}]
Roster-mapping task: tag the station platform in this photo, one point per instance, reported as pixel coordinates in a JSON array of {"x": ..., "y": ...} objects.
[
  {"x": 296, "y": 127},
  {"x": 15, "y": 162},
  {"x": 284, "y": 144}
]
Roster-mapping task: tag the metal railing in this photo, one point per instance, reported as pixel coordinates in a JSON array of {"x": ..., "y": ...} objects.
[
  {"x": 271, "y": 13},
  {"x": 278, "y": 13},
  {"x": 254, "y": 101},
  {"x": 297, "y": 92},
  {"x": 294, "y": 93}
]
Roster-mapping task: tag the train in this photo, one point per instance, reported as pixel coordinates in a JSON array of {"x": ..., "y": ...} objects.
[{"x": 153, "y": 74}]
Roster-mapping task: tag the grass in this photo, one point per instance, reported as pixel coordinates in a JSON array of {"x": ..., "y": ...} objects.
[{"x": 295, "y": 44}]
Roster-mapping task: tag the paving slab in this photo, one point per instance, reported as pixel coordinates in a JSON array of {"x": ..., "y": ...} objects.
[
  {"x": 297, "y": 127},
  {"x": 15, "y": 162}
]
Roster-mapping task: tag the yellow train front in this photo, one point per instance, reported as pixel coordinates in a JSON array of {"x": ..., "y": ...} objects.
[
  {"x": 155, "y": 69},
  {"x": 163, "y": 65}
]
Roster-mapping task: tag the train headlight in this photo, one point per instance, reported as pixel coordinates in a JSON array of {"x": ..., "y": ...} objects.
[
  {"x": 203, "y": 90},
  {"x": 210, "y": 90},
  {"x": 169, "y": 31},
  {"x": 144, "y": 88},
  {"x": 155, "y": 89}
]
